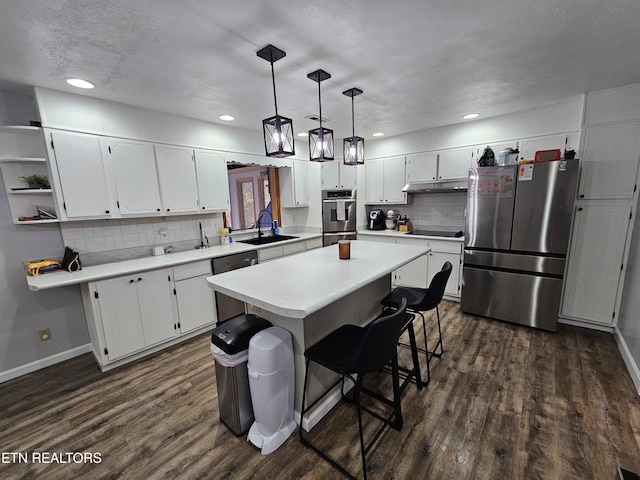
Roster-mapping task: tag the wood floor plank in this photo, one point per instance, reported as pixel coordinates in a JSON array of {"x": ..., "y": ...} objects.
[{"x": 505, "y": 402}]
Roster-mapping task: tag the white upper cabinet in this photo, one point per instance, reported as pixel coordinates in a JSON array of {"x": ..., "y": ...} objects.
[
  {"x": 454, "y": 163},
  {"x": 529, "y": 146},
  {"x": 385, "y": 178},
  {"x": 422, "y": 167},
  {"x": 335, "y": 174},
  {"x": 177, "y": 177},
  {"x": 610, "y": 155},
  {"x": 213, "y": 183},
  {"x": 294, "y": 189},
  {"x": 136, "y": 178},
  {"x": 83, "y": 187}
]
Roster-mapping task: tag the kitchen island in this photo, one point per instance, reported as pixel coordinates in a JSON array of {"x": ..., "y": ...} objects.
[{"x": 313, "y": 293}]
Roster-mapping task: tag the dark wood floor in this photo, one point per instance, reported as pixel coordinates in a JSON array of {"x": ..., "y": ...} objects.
[{"x": 505, "y": 402}]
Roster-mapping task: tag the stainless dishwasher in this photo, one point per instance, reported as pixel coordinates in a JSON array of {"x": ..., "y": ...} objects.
[{"x": 226, "y": 306}]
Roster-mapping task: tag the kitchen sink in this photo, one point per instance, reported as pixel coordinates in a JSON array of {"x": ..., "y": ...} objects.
[{"x": 265, "y": 240}]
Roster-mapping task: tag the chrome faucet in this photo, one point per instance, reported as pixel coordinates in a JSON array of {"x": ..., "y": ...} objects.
[{"x": 260, "y": 233}]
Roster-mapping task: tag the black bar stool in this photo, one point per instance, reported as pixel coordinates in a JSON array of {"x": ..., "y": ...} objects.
[
  {"x": 353, "y": 352},
  {"x": 423, "y": 299}
]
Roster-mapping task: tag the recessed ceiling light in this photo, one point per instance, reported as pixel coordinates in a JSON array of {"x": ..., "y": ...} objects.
[
  {"x": 470, "y": 116},
  {"x": 227, "y": 118},
  {"x": 303, "y": 134},
  {"x": 79, "y": 83},
  {"x": 378, "y": 134}
]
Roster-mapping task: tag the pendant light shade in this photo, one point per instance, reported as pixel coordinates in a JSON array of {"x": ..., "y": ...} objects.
[
  {"x": 353, "y": 147},
  {"x": 277, "y": 130},
  {"x": 320, "y": 139}
]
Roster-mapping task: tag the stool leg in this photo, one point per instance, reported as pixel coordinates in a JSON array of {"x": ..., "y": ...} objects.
[
  {"x": 439, "y": 344},
  {"x": 414, "y": 356},
  {"x": 356, "y": 395},
  {"x": 397, "y": 405}
]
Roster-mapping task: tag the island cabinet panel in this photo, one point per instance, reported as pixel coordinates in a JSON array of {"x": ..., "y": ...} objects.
[
  {"x": 135, "y": 175},
  {"x": 135, "y": 312},
  {"x": 79, "y": 175},
  {"x": 213, "y": 183},
  {"x": 177, "y": 178},
  {"x": 595, "y": 267}
]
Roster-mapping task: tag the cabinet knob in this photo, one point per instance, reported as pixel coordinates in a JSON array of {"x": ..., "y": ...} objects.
[
  {"x": 131, "y": 281},
  {"x": 582, "y": 195},
  {"x": 204, "y": 208},
  {"x": 106, "y": 211},
  {"x": 157, "y": 209},
  {"x": 168, "y": 209},
  {"x": 579, "y": 209},
  {"x": 139, "y": 279}
]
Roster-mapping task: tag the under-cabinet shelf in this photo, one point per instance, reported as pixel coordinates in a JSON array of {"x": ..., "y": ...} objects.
[
  {"x": 23, "y": 160},
  {"x": 31, "y": 191}
]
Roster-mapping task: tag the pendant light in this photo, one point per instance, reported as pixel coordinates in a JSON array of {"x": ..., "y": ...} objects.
[
  {"x": 320, "y": 139},
  {"x": 277, "y": 130},
  {"x": 353, "y": 147}
]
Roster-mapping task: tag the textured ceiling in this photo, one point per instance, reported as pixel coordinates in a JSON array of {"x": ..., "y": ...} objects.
[{"x": 421, "y": 63}]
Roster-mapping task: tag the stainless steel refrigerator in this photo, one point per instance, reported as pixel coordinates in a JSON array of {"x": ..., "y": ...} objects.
[{"x": 517, "y": 234}]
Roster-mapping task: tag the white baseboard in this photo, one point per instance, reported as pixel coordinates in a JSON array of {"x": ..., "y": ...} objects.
[
  {"x": 592, "y": 326},
  {"x": 630, "y": 362},
  {"x": 44, "y": 362}
]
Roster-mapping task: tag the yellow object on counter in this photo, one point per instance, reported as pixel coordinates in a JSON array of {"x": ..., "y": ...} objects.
[{"x": 33, "y": 268}]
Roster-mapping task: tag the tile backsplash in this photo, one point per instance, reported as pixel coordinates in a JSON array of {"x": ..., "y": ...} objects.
[
  {"x": 103, "y": 241},
  {"x": 433, "y": 209}
]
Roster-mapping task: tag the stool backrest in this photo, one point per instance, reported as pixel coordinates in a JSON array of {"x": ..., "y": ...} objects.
[
  {"x": 434, "y": 293},
  {"x": 379, "y": 345}
]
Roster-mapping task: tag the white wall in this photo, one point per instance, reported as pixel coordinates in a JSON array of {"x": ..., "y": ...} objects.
[
  {"x": 560, "y": 118},
  {"x": 22, "y": 312}
]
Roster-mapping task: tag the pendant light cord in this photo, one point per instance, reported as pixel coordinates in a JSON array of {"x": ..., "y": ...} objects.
[
  {"x": 353, "y": 121},
  {"x": 320, "y": 110},
  {"x": 273, "y": 80}
]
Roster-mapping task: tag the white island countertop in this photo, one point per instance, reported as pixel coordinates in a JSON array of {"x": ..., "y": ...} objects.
[{"x": 302, "y": 284}]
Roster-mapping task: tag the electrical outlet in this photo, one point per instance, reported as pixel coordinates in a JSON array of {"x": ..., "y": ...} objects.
[
  {"x": 293, "y": 220},
  {"x": 44, "y": 334},
  {"x": 163, "y": 232}
]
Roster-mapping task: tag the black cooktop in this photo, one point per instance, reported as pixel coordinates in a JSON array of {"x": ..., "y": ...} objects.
[{"x": 440, "y": 233}]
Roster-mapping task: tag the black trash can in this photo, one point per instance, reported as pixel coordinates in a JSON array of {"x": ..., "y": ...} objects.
[{"x": 230, "y": 348}]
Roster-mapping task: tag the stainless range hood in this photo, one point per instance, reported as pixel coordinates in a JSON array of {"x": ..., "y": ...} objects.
[{"x": 437, "y": 186}]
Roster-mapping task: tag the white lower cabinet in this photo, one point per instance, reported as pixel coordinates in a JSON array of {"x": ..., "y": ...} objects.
[
  {"x": 131, "y": 313},
  {"x": 413, "y": 274},
  {"x": 420, "y": 271},
  {"x": 194, "y": 297},
  {"x": 594, "y": 272}
]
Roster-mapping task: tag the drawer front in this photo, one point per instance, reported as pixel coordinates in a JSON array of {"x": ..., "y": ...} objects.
[
  {"x": 445, "y": 247},
  {"x": 291, "y": 248},
  {"x": 265, "y": 254},
  {"x": 191, "y": 270},
  {"x": 313, "y": 243}
]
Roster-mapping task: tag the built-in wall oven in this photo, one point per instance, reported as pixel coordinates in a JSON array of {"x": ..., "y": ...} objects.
[{"x": 338, "y": 215}]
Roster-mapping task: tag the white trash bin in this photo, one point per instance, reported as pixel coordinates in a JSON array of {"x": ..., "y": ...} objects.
[{"x": 271, "y": 381}]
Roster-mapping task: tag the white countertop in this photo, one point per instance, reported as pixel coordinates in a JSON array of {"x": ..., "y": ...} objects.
[
  {"x": 115, "y": 269},
  {"x": 299, "y": 285},
  {"x": 396, "y": 233}
]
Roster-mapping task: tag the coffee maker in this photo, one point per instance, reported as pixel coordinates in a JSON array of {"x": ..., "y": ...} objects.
[{"x": 376, "y": 220}]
